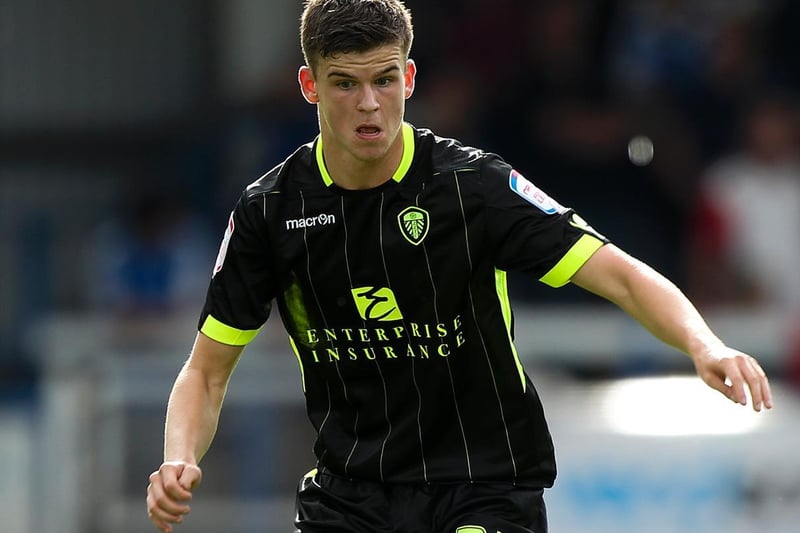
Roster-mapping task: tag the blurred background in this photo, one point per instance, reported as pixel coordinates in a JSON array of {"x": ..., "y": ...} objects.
[{"x": 128, "y": 129}]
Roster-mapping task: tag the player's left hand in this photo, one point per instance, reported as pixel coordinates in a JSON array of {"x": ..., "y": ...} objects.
[{"x": 732, "y": 372}]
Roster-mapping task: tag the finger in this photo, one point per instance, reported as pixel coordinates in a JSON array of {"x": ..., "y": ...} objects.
[
  {"x": 159, "y": 518},
  {"x": 160, "y": 524},
  {"x": 718, "y": 383},
  {"x": 767, "y": 390},
  {"x": 171, "y": 508},
  {"x": 754, "y": 382},
  {"x": 763, "y": 383},
  {"x": 173, "y": 488},
  {"x": 190, "y": 477},
  {"x": 715, "y": 382},
  {"x": 750, "y": 380},
  {"x": 162, "y": 518},
  {"x": 159, "y": 499},
  {"x": 737, "y": 392}
]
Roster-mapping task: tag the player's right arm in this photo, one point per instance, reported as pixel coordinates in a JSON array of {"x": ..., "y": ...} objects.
[{"x": 192, "y": 416}]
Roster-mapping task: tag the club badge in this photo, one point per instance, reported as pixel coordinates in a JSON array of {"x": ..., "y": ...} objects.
[{"x": 414, "y": 223}]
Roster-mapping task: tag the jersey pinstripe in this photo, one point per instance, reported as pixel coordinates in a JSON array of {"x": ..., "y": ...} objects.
[{"x": 395, "y": 302}]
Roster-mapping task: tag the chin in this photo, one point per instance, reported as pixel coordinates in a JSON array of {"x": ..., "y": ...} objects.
[{"x": 370, "y": 156}]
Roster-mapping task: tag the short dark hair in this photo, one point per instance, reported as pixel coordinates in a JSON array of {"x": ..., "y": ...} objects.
[{"x": 332, "y": 27}]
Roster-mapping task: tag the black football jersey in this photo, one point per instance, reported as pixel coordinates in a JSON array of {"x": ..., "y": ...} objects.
[{"x": 396, "y": 306}]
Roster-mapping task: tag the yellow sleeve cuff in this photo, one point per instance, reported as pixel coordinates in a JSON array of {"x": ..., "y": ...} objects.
[
  {"x": 573, "y": 260},
  {"x": 216, "y": 330}
]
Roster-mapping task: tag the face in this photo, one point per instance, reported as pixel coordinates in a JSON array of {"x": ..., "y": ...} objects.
[{"x": 360, "y": 100}]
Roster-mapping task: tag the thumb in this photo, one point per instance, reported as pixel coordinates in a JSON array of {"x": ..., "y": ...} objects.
[
  {"x": 719, "y": 383},
  {"x": 190, "y": 477}
]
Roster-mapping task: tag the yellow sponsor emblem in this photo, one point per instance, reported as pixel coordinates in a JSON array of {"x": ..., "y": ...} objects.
[{"x": 376, "y": 303}]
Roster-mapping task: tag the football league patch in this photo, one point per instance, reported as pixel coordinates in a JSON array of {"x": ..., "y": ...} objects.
[
  {"x": 533, "y": 194},
  {"x": 223, "y": 248}
]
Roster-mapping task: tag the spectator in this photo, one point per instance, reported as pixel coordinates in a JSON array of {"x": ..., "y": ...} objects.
[
  {"x": 151, "y": 258},
  {"x": 745, "y": 248}
]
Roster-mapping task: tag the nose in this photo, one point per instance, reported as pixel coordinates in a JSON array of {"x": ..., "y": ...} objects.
[{"x": 368, "y": 100}]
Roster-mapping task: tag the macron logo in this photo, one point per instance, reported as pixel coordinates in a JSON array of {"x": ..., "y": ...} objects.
[{"x": 319, "y": 220}]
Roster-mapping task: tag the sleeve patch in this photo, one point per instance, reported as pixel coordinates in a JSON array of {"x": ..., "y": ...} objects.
[
  {"x": 533, "y": 194},
  {"x": 223, "y": 248}
]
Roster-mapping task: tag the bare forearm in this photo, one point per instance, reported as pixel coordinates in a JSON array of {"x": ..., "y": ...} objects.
[
  {"x": 650, "y": 298},
  {"x": 192, "y": 416},
  {"x": 664, "y": 311}
]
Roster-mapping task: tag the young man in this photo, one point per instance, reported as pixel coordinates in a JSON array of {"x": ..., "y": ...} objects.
[{"x": 386, "y": 248}]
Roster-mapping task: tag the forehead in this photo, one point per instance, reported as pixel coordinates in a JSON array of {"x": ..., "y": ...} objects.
[{"x": 363, "y": 63}]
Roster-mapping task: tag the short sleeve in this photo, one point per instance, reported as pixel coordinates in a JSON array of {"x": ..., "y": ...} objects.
[
  {"x": 242, "y": 286},
  {"x": 531, "y": 232}
]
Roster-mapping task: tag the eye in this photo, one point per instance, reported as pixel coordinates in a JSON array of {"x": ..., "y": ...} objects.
[
  {"x": 345, "y": 84},
  {"x": 383, "y": 82}
]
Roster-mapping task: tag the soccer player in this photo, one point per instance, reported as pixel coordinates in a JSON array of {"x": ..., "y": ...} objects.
[{"x": 386, "y": 249}]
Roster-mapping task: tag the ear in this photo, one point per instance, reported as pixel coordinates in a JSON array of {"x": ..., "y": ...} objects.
[
  {"x": 410, "y": 76},
  {"x": 308, "y": 85}
]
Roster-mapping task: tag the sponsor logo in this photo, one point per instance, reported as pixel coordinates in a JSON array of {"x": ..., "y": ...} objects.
[
  {"x": 414, "y": 223},
  {"x": 533, "y": 194},
  {"x": 376, "y": 303},
  {"x": 411, "y": 340},
  {"x": 223, "y": 248},
  {"x": 322, "y": 219}
]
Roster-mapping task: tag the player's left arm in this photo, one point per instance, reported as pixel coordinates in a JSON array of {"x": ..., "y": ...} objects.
[{"x": 665, "y": 312}]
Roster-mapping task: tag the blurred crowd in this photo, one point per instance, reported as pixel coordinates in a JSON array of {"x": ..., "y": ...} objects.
[{"x": 557, "y": 88}]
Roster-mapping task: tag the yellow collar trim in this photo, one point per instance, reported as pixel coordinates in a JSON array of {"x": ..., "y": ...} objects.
[{"x": 399, "y": 174}]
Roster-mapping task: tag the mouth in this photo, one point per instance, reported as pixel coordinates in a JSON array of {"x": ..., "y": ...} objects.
[{"x": 368, "y": 131}]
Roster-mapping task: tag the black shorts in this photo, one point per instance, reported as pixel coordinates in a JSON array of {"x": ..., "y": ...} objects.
[{"x": 331, "y": 504}]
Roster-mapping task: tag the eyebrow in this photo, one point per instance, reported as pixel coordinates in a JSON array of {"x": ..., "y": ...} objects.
[{"x": 387, "y": 70}]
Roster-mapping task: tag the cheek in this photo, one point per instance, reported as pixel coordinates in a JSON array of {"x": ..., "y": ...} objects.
[
  {"x": 392, "y": 100},
  {"x": 334, "y": 112},
  {"x": 335, "y": 103},
  {"x": 333, "y": 115},
  {"x": 398, "y": 104}
]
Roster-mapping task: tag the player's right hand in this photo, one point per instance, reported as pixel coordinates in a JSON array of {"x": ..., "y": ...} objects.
[{"x": 169, "y": 492}]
